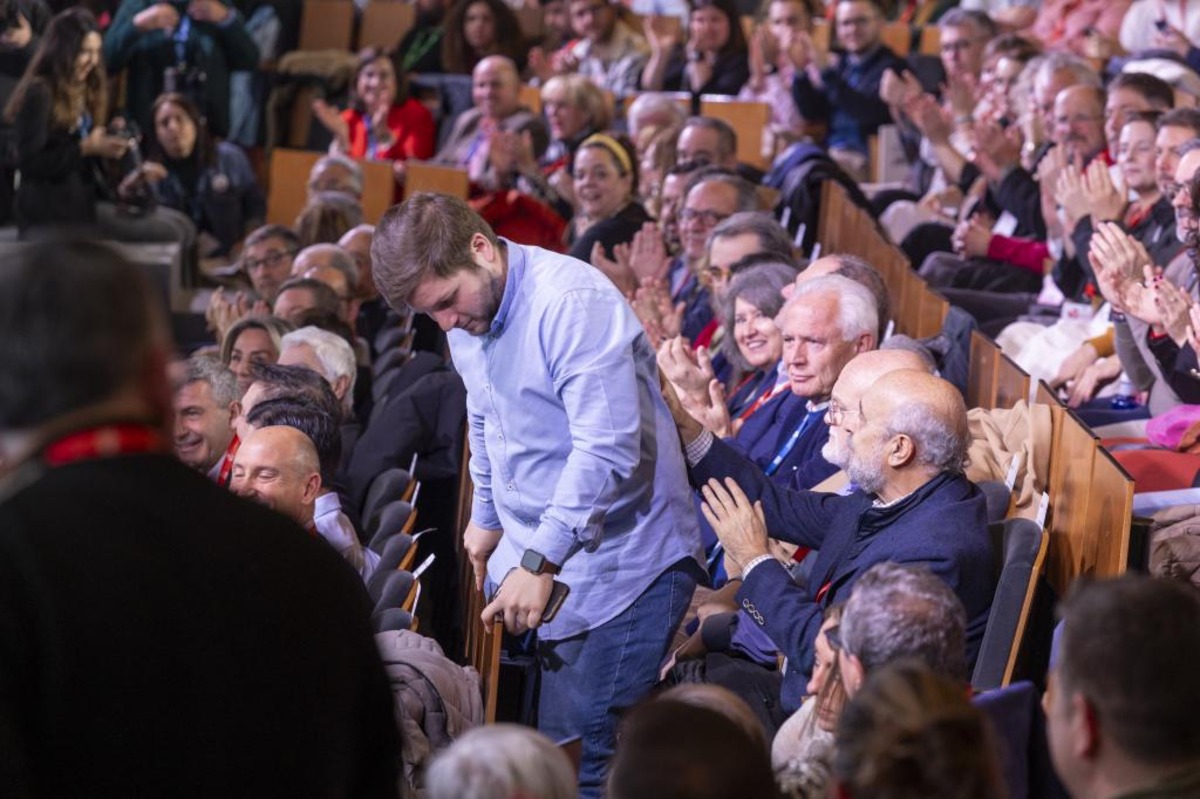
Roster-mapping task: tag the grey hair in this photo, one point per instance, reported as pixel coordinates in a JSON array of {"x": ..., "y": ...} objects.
[
  {"x": 898, "y": 611},
  {"x": 772, "y": 237},
  {"x": 909, "y": 344},
  {"x": 339, "y": 259},
  {"x": 747, "y": 195},
  {"x": 860, "y": 271},
  {"x": 761, "y": 286},
  {"x": 658, "y": 104},
  {"x": 857, "y": 313},
  {"x": 207, "y": 369},
  {"x": 1080, "y": 70},
  {"x": 726, "y": 135},
  {"x": 498, "y": 761},
  {"x": 939, "y": 443},
  {"x": 968, "y": 18},
  {"x": 355, "y": 169},
  {"x": 333, "y": 352}
]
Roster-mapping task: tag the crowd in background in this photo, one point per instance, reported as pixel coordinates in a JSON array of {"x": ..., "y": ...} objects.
[{"x": 830, "y": 514}]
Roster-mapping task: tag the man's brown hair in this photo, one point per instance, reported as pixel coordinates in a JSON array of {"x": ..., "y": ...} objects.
[{"x": 427, "y": 236}]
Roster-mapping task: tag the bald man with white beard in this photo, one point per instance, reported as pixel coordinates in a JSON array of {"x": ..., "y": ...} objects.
[{"x": 906, "y": 441}]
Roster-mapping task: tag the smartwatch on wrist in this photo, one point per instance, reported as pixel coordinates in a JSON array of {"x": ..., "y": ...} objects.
[{"x": 535, "y": 562}]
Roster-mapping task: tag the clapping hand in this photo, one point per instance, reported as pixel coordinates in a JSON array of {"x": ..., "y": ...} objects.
[
  {"x": 713, "y": 413},
  {"x": 738, "y": 523},
  {"x": 1193, "y": 331},
  {"x": 208, "y": 11},
  {"x": 1118, "y": 260},
  {"x": 616, "y": 268},
  {"x": 690, "y": 370},
  {"x": 661, "y": 32},
  {"x": 1071, "y": 196},
  {"x": 971, "y": 238},
  {"x": 1106, "y": 199},
  {"x": 648, "y": 256},
  {"x": 331, "y": 119},
  {"x": 995, "y": 149},
  {"x": 222, "y": 312},
  {"x": 930, "y": 118},
  {"x": 160, "y": 16},
  {"x": 961, "y": 92},
  {"x": 660, "y": 319},
  {"x": 899, "y": 89},
  {"x": 1174, "y": 308}
]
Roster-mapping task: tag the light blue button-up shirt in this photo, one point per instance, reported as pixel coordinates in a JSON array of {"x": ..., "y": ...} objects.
[{"x": 573, "y": 451}]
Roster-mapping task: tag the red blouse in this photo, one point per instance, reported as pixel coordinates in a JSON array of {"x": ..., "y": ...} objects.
[{"x": 412, "y": 129}]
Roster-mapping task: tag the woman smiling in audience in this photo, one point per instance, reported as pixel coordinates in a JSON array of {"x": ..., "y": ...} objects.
[
  {"x": 607, "y": 212},
  {"x": 255, "y": 339},
  {"x": 713, "y": 60},
  {"x": 383, "y": 123},
  {"x": 751, "y": 303},
  {"x": 209, "y": 181}
]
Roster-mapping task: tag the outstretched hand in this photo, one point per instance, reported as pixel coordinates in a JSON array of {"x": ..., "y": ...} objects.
[{"x": 738, "y": 523}]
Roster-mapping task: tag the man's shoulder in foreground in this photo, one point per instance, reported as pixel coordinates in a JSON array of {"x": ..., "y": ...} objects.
[{"x": 165, "y": 637}]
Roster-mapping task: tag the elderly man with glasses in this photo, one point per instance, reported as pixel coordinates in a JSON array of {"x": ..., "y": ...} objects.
[{"x": 902, "y": 442}]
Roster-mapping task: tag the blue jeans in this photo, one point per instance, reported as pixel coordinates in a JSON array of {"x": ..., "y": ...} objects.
[{"x": 588, "y": 680}]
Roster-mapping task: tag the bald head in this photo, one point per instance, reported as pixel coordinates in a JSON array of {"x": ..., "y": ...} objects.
[
  {"x": 357, "y": 244},
  {"x": 928, "y": 410},
  {"x": 495, "y": 87},
  {"x": 1079, "y": 121},
  {"x": 279, "y": 467},
  {"x": 333, "y": 266},
  {"x": 856, "y": 377}
]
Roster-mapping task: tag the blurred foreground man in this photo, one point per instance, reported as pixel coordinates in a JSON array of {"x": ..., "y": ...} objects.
[{"x": 158, "y": 635}]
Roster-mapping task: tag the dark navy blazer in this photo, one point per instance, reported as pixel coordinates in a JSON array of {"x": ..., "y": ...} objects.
[{"x": 942, "y": 525}]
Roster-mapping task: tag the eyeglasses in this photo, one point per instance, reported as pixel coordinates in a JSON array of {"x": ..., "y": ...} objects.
[
  {"x": 836, "y": 413},
  {"x": 270, "y": 260},
  {"x": 708, "y": 218}
]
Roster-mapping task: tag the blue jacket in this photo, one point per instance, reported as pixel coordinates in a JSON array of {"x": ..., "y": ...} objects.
[
  {"x": 942, "y": 525},
  {"x": 766, "y": 433},
  {"x": 849, "y": 99}
]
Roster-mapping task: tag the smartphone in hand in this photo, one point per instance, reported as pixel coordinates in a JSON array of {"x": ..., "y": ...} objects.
[{"x": 558, "y": 595}]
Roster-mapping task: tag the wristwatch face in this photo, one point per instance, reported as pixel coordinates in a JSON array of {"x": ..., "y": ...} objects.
[{"x": 533, "y": 561}]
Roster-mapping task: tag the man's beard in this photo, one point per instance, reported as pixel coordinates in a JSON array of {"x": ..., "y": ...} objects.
[
  {"x": 867, "y": 473},
  {"x": 1185, "y": 228},
  {"x": 836, "y": 450}
]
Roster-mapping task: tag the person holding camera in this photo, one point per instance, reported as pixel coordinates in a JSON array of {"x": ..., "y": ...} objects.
[
  {"x": 186, "y": 47},
  {"x": 63, "y": 149},
  {"x": 209, "y": 181}
]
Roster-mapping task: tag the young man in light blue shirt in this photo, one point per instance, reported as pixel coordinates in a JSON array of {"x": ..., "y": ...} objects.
[{"x": 578, "y": 471}]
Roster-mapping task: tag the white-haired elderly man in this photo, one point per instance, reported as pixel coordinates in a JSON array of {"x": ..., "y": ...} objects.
[
  {"x": 906, "y": 443},
  {"x": 327, "y": 354},
  {"x": 330, "y": 356},
  {"x": 827, "y": 322}
]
